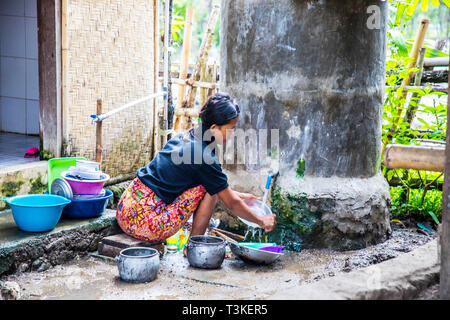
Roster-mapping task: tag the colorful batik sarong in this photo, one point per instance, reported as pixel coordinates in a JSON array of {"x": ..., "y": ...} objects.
[{"x": 143, "y": 215}]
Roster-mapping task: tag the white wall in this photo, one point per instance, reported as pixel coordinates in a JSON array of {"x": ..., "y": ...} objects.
[{"x": 19, "y": 73}]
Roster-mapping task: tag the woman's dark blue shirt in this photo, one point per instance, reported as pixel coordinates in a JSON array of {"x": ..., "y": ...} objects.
[{"x": 185, "y": 162}]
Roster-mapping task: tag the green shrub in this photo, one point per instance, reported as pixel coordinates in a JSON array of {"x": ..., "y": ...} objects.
[{"x": 431, "y": 205}]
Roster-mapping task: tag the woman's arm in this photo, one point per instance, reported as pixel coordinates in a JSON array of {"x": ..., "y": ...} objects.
[
  {"x": 246, "y": 196},
  {"x": 238, "y": 207}
]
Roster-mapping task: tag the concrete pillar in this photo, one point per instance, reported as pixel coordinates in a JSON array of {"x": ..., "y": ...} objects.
[{"x": 314, "y": 69}]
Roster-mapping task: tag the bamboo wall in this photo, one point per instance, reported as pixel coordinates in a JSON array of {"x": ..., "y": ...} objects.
[{"x": 108, "y": 53}]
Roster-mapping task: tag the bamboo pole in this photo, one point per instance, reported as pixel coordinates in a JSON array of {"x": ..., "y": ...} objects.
[
  {"x": 209, "y": 76},
  {"x": 202, "y": 60},
  {"x": 213, "y": 79},
  {"x": 418, "y": 43},
  {"x": 203, "y": 78},
  {"x": 436, "y": 62},
  {"x": 410, "y": 112},
  {"x": 184, "y": 112},
  {"x": 176, "y": 74},
  {"x": 198, "y": 84},
  {"x": 428, "y": 158},
  {"x": 184, "y": 63},
  {"x": 178, "y": 64},
  {"x": 98, "y": 135},
  {"x": 238, "y": 236},
  {"x": 221, "y": 235}
]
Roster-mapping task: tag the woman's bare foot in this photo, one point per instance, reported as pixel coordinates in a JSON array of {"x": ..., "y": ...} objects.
[{"x": 184, "y": 251}]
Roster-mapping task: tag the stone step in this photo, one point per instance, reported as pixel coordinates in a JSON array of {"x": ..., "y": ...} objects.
[{"x": 112, "y": 245}]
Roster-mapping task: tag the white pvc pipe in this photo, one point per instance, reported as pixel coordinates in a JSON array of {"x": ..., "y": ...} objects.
[{"x": 103, "y": 116}]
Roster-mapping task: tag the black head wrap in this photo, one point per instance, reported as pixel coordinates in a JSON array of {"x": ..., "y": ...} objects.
[{"x": 220, "y": 109}]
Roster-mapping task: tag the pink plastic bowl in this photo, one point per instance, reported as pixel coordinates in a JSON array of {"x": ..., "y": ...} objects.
[{"x": 85, "y": 186}]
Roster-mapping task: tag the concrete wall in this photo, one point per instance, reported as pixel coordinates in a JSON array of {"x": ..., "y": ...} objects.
[
  {"x": 50, "y": 113},
  {"x": 30, "y": 178},
  {"x": 315, "y": 71},
  {"x": 19, "y": 79},
  {"x": 108, "y": 52}
]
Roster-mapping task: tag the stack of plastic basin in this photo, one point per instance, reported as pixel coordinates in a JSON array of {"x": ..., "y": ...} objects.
[{"x": 88, "y": 198}]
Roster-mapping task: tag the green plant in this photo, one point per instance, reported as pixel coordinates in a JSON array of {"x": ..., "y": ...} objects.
[
  {"x": 415, "y": 192},
  {"x": 406, "y": 8},
  {"x": 439, "y": 113},
  {"x": 417, "y": 205},
  {"x": 178, "y": 16}
]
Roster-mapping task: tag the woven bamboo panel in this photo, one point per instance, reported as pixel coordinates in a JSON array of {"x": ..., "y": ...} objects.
[{"x": 109, "y": 55}]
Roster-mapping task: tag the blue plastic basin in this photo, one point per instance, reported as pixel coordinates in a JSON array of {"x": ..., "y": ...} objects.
[
  {"x": 37, "y": 212},
  {"x": 87, "y": 208}
]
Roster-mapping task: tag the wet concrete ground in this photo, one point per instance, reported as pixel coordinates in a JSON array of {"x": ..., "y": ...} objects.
[{"x": 94, "y": 278}]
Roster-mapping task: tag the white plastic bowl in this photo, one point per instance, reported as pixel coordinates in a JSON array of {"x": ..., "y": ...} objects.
[
  {"x": 257, "y": 207},
  {"x": 90, "y": 165},
  {"x": 85, "y": 173}
]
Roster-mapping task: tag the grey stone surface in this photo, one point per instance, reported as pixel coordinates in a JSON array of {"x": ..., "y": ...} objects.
[
  {"x": 96, "y": 279},
  {"x": 315, "y": 71},
  {"x": 22, "y": 251},
  {"x": 354, "y": 212},
  {"x": 404, "y": 277}
]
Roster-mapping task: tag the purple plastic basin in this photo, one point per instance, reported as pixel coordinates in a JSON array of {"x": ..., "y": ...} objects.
[
  {"x": 85, "y": 186},
  {"x": 276, "y": 249}
]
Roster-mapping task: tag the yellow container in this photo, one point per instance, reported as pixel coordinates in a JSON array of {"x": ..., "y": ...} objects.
[{"x": 182, "y": 242}]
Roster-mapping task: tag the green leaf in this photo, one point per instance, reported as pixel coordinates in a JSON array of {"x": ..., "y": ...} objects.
[
  {"x": 392, "y": 63},
  {"x": 390, "y": 174},
  {"x": 433, "y": 216},
  {"x": 412, "y": 8},
  {"x": 435, "y": 3},
  {"x": 400, "y": 12},
  {"x": 416, "y": 90},
  {"x": 399, "y": 91},
  {"x": 424, "y": 5},
  {"x": 431, "y": 52},
  {"x": 398, "y": 221},
  {"x": 423, "y": 121},
  {"x": 399, "y": 42}
]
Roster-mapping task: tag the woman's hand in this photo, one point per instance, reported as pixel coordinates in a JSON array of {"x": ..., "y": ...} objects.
[
  {"x": 234, "y": 201},
  {"x": 268, "y": 222}
]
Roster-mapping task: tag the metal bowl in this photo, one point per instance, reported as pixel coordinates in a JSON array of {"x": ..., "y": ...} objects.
[
  {"x": 253, "y": 256},
  {"x": 138, "y": 264},
  {"x": 205, "y": 252}
]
